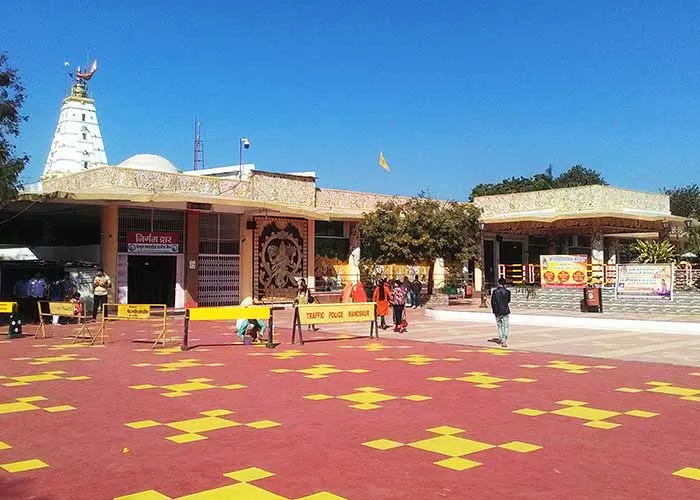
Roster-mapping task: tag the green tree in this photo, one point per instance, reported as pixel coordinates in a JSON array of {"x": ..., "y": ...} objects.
[
  {"x": 578, "y": 175},
  {"x": 685, "y": 200},
  {"x": 11, "y": 99},
  {"x": 654, "y": 252},
  {"x": 421, "y": 230}
]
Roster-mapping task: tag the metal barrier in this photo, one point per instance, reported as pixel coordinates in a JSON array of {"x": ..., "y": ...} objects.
[
  {"x": 14, "y": 329},
  {"x": 319, "y": 314},
  {"x": 229, "y": 313},
  {"x": 61, "y": 310},
  {"x": 156, "y": 314}
]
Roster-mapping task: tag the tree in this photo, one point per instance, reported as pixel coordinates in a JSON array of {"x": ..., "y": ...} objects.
[
  {"x": 578, "y": 175},
  {"x": 11, "y": 100},
  {"x": 654, "y": 252},
  {"x": 421, "y": 230},
  {"x": 685, "y": 200}
]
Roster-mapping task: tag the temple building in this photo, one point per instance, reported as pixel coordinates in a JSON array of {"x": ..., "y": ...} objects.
[{"x": 213, "y": 236}]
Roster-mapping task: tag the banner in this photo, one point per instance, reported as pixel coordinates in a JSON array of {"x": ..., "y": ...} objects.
[
  {"x": 153, "y": 242},
  {"x": 318, "y": 314},
  {"x": 563, "y": 271},
  {"x": 62, "y": 308},
  {"x": 133, "y": 311},
  {"x": 644, "y": 280},
  {"x": 6, "y": 307}
]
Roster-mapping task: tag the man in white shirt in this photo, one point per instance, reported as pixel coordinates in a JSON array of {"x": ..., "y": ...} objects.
[{"x": 101, "y": 287}]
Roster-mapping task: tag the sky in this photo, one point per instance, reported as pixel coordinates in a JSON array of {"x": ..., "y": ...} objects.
[{"x": 454, "y": 93}]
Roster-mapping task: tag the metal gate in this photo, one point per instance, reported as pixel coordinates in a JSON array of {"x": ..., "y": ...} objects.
[{"x": 219, "y": 280}]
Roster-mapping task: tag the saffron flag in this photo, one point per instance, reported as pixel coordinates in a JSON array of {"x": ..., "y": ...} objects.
[{"x": 383, "y": 163}]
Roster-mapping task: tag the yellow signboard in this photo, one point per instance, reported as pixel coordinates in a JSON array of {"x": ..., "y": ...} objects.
[
  {"x": 563, "y": 271},
  {"x": 7, "y": 307},
  {"x": 133, "y": 311},
  {"x": 318, "y": 314},
  {"x": 61, "y": 308},
  {"x": 229, "y": 313}
]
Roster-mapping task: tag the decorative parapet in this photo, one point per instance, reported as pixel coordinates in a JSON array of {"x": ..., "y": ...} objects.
[
  {"x": 260, "y": 186},
  {"x": 573, "y": 201},
  {"x": 338, "y": 199}
]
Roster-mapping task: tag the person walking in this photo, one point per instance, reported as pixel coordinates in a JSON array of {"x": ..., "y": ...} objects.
[
  {"x": 101, "y": 286},
  {"x": 406, "y": 284},
  {"x": 416, "y": 288},
  {"x": 381, "y": 296},
  {"x": 398, "y": 302},
  {"x": 500, "y": 300}
]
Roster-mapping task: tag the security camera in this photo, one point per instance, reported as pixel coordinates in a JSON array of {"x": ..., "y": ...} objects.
[{"x": 245, "y": 143}]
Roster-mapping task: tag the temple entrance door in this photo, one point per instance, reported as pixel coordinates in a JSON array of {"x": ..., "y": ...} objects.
[
  {"x": 511, "y": 252},
  {"x": 489, "y": 263},
  {"x": 152, "y": 279}
]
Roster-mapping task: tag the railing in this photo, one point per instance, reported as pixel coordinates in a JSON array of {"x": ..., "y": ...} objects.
[{"x": 686, "y": 276}]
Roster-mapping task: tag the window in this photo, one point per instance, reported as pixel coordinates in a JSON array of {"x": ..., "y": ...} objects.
[
  {"x": 219, "y": 234},
  {"x": 83, "y": 116}
]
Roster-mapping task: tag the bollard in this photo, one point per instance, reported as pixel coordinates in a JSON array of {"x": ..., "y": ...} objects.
[{"x": 15, "y": 327}]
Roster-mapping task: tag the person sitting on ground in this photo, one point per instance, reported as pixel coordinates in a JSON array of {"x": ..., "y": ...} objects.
[{"x": 254, "y": 328}]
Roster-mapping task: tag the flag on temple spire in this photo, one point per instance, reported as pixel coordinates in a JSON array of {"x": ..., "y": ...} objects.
[{"x": 383, "y": 163}]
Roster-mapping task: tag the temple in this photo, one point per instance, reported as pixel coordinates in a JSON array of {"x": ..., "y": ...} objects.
[{"x": 214, "y": 236}]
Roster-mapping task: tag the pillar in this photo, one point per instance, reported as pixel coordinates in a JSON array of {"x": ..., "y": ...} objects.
[
  {"x": 354, "y": 254},
  {"x": 109, "y": 245},
  {"x": 191, "y": 258},
  {"x": 597, "y": 255},
  {"x": 246, "y": 256},
  {"x": 311, "y": 254}
]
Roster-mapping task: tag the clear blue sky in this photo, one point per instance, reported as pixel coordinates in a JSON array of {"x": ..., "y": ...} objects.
[{"x": 453, "y": 92}]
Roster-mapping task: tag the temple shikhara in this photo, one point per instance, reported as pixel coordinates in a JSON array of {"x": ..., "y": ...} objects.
[{"x": 215, "y": 235}]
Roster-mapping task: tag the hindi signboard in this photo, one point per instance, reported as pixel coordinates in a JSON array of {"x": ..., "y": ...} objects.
[
  {"x": 654, "y": 281},
  {"x": 153, "y": 242},
  {"x": 133, "y": 311},
  {"x": 563, "y": 271},
  {"x": 62, "y": 308}
]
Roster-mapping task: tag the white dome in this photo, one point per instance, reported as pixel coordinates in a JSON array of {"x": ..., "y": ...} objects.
[{"x": 154, "y": 163}]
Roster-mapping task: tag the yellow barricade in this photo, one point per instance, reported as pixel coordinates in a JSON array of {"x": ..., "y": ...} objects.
[
  {"x": 8, "y": 307},
  {"x": 318, "y": 314},
  {"x": 228, "y": 313},
  {"x": 155, "y": 314},
  {"x": 61, "y": 310},
  {"x": 14, "y": 329}
]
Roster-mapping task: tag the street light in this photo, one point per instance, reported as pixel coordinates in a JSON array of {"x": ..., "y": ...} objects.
[
  {"x": 244, "y": 144},
  {"x": 482, "y": 266}
]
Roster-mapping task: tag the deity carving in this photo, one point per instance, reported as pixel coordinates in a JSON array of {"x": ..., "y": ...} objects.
[{"x": 281, "y": 258}]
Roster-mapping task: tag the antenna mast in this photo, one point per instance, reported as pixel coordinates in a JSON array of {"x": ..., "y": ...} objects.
[{"x": 198, "y": 146}]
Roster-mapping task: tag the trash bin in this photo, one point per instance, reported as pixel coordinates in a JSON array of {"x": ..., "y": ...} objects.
[{"x": 593, "y": 299}]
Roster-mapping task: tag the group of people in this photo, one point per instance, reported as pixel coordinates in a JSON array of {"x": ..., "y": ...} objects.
[{"x": 400, "y": 295}]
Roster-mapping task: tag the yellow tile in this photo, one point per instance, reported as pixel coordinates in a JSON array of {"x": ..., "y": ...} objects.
[
  {"x": 445, "y": 430},
  {"x": 520, "y": 447},
  {"x": 605, "y": 367},
  {"x": 24, "y": 466},
  {"x": 367, "y": 397},
  {"x": 249, "y": 474},
  {"x": 144, "y": 495},
  {"x": 641, "y": 413},
  {"x": 234, "y": 386},
  {"x": 216, "y": 413},
  {"x": 439, "y": 379},
  {"x": 32, "y": 399},
  {"x": 487, "y": 386},
  {"x": 676, "y": 391},
  {"x": 691, "y": 398},
  {"x": 530, "y": 412},
  {"x": 383, "y": 444},
  {"x": 597, "y": 424},
  {"x": 322, "y": 495},
  {"x": 16, "y": 407},
  {"x": 585, "y": 413},
  {"x": 142, "y": 386},
  {"x": 4, "y": 446},
  {"x": 56, "y": 409},
  {"x": 482, "y": 379},
  {"x": 175, "y": 394},
  {"x": 365, "y": 406},
  {"x": 281, "y": 370},
  {"x": 186, "y": 438},
  {"x": 458, "y": 464},
  {"x": 453, "y": 359},
  {"x": 688, "y": 473},
  {"x": 318, "y": 397},
  {"x": 141, "y": 365},
  {"x": 15, "y": 384},
  {"x": 199, "y": 380},
  {"x": 263, "y": 424},
  {"x": 368, "y": 389},
  {"x": 358, "y": 370},
  {"x": 80, "y": 377},
  {"x": 452, "y": 446},
  {"x": 529, "y": 366},
  {"x": 628, "y": 389},
  {"x": 417, "y": 397},
  {"x": 142, "y": 424},
  {"x": 525, "y": 380},
  {"x": 204, "y": 424},
  {"x": 571, "y": 402},
  {"x": 236, "y": 491}
]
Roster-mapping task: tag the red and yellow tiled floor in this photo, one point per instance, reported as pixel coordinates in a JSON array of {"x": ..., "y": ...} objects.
[{"x": 246, "y": 423}]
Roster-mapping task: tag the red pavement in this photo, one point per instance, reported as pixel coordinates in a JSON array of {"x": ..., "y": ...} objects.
[{"x": 382, "y": 449}]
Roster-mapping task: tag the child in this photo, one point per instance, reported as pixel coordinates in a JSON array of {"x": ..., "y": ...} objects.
[{"x": 77, "y": 305}]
